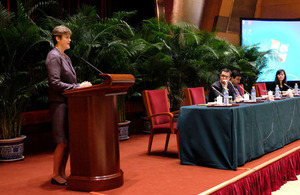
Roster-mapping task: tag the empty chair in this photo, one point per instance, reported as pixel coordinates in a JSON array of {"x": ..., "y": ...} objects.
[
  {"x": 261, "y": 89},
  {"x": 195, "y": 96},
  {"x": 161, "y": 119}
]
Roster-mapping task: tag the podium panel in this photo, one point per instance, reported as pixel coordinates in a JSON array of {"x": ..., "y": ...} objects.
[{"x": 94, "y": 135}]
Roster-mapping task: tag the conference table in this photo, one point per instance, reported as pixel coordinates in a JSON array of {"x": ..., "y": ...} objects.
[{"x": 228, "y": 137}]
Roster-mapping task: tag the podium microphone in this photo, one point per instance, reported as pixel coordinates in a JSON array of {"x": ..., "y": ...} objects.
[
  {"x": 288, "y": 86},
  {"x": 217, "y": 91},
  {"x": 91, "y": 65}
]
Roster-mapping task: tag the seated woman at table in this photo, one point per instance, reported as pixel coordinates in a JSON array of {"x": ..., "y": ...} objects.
[{"x": 280, "y": 80}]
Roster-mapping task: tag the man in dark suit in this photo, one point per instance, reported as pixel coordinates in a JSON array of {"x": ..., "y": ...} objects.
[
  {"x": 235, "y": 79},
  {"x": 217, "y": 88}
]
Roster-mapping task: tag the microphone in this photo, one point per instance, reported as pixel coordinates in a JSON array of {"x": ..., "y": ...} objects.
[
  {"x": 91, "y": 65},
  {"x": 288, "y": 86},
  {"x": 244, "y": 90},
  {"x": 217, "y": 91},
  {"x": 231, "y": 84}
]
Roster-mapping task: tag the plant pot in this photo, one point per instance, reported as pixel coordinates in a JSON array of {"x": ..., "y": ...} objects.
[
  {"x": 124, "y": 130},
  {"x": 147, "y": 125},
  {"x": 12, "y": 149}
]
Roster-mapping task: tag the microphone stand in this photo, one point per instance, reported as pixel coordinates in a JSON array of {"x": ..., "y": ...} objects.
[
  {"x": 217, "y": 91},
  {"x": 244, "y": 90},
  {"x": 232, "y": 86},
  {"x": 288, "y": 86},
  {"x": 91, "y": 65}
]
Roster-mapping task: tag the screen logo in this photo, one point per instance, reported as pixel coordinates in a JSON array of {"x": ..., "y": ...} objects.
[{"x": 280, "y": 50}]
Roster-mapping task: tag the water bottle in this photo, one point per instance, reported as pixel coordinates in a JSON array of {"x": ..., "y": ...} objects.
[
  {"x": 296, "y": 89},
  {"x": 277, "y": 92},
  {"x": 226, "y": 97},
  {"x": 253, "y": 94}
]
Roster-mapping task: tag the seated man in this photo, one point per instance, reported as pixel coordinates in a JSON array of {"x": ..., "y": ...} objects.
[
  {"x": 217, "y": 87},
  {"x": 235, "y": 80}
]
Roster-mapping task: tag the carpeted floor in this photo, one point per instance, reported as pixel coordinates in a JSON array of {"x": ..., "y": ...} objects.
[{"x": 157, "y": 174}]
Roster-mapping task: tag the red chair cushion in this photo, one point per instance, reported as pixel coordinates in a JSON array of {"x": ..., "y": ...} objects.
[
  {"x": 159, "y": 103},
  {"x": 241, "y": 86},
  {"x": 262, "y": 88},
  {"x": 197, "y": 95}
]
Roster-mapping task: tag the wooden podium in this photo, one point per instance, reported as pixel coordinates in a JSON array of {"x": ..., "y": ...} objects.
[{"x": 94, "y": 135}]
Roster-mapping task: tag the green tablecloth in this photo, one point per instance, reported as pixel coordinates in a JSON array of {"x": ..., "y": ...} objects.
[{"x": 228, "y": 137}]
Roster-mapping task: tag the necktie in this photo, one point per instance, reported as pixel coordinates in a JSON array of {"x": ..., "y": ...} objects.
[{"x": 236, "y": 91}]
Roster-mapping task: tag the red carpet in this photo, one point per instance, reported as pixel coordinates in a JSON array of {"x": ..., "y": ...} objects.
[{"x": 158, "y": 173}]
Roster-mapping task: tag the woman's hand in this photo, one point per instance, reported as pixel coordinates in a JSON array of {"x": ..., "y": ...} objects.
[{"x": 85, "y": 84}]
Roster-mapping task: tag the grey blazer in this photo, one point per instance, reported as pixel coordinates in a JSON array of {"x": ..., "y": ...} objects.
[{"x": 61, "y": 75}]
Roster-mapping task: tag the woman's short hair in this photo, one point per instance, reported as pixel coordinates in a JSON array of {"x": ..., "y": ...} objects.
[{"x": 58, "y": 31}]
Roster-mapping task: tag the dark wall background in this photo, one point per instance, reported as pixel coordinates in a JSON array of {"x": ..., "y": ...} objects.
[{"x": 145, "y": 8}]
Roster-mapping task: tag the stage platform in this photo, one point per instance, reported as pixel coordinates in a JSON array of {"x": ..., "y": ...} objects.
[{"x": 159, "y": 174}]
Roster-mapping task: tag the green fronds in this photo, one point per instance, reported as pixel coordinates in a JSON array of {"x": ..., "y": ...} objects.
[
  {"x": 122, "y": 15},
  {"x": 41, "y": 6},
  {"x": 156, "y": 53},
  {"x": 5, "y": 16}
]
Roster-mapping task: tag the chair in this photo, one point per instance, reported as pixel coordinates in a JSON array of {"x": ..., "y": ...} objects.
[
  {"x": 261, "y": 89},
  {"x": 241, "y": 86},
  {"x": 161, "y": 119},
  {"x": 195, "y": 96}
]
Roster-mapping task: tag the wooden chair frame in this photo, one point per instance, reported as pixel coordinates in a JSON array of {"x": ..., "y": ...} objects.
[{"x": 154, "y": 129}]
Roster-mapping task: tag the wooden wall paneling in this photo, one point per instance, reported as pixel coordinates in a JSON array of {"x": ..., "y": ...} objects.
[
  {"x": 285, "y": 9},
  {"x": 210, "y": 11},
  {"x": 241, "y": 8}
]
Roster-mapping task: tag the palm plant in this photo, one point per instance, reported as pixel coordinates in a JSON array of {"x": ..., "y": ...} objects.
[
  {"x": 105, "y": 43},
  {"x": 182, "y": 56},
  {"x": 177, "y": 57},
  {"x": 157, "y": 54},
  {"x": 19, "y": 68},
  {"x": 252, "y": 63},
  {"x": 99, "y": 41}
]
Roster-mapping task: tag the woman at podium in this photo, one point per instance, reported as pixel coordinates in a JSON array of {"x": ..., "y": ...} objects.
[{"x": 61, "y": 77}]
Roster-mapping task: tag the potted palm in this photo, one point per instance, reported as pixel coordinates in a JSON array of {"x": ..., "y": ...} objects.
[
  {"x": 123, "y": 123},
  {"x": 19, "y": 77},
  {"x": 12, "y": 99}
]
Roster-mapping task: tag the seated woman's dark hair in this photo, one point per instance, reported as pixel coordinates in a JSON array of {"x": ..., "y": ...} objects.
[{"x": 277, "y": 73}]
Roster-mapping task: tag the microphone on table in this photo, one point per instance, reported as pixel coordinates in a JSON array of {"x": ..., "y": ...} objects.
[
  {"x": 217, "y": 91},
  {"x": 230, "y": 84},
  {"x": 288, "y": 86},
  {"x": 244, "y": 90},
  {"x": 239, "y": 86}
]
